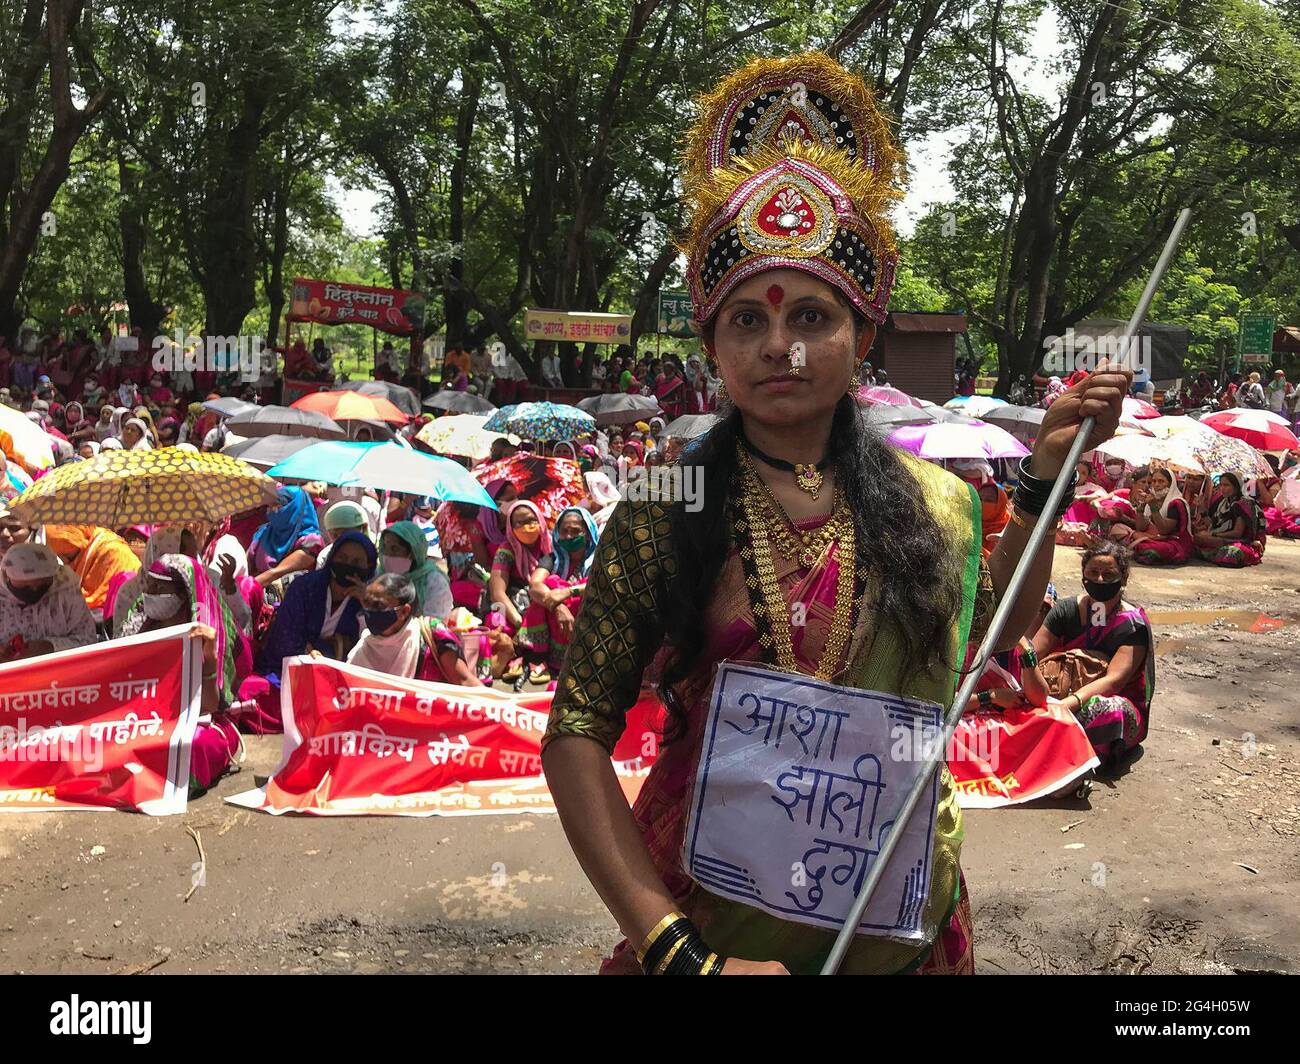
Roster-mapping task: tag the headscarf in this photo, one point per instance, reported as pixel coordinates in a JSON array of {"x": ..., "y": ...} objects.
[
  {"x": 561, "y": 557},
  {"x": 490, "y": 520},
  {"x": 345, "y": 514},
  {"x": 421, "y": 565},
  {"x": 143, "y": 443},
  {"x": 1173, "y": 492},
  {"x": 1224, "y": 513},
  {"x": 527, "y": 557},
  {"x": 29, "y": 561},
  {"x": 94, "y": 446},
  {"x": 207, "y": 606},
  {"x": 111, "y": 444},
  {"x": 96, "y": 554},
  {"x": 293, "y": 519}
]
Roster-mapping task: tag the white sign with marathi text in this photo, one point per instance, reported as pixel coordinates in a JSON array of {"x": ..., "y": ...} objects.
[{"x": 799, "y": 785}]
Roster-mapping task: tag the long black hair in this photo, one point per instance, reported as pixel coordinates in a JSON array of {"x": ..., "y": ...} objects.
[{"x": 898, "y": 542}]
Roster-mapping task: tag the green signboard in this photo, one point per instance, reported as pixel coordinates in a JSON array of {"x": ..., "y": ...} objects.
[
  {"x": 1255, "y": 338},
  {"x": 675, "y": 314}
]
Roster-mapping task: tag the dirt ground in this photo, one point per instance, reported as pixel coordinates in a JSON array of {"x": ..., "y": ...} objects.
[{"x": 1188, "y": 862}]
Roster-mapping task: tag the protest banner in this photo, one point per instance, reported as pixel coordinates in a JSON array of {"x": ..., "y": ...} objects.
[
  {"x": 390, "y": 310},
  {"x": 577, "y": 327},
  {"x": 798, "y": 785},
  {"x": 106, "y": 726},
  {"x": 358, "y": 742},
  {"x": 1005, "y": 757}
]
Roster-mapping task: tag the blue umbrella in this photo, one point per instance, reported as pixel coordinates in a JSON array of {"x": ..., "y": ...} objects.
[
  {"x": 541, "y": 421},
  {"x": 384, "y": 467}
]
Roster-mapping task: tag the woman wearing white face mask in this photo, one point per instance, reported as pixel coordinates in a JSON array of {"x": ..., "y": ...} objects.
[
  {"x": 177, "y": 590},
  {"x": 41, "y": 608},
  {"x": 404, "y": 551}
]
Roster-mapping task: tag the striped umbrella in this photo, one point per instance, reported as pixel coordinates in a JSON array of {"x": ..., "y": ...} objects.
[{"x": 162, "y": 487}]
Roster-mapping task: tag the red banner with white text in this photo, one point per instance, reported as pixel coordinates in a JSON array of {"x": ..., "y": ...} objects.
[
  {"x": 107, "y": 726},
  {"x": 358, "y": 742},
  {"x": 390, "y": 310},
  {"x": 1005, "y": 757}
]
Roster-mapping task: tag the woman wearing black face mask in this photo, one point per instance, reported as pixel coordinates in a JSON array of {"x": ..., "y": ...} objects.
[
  {"x": 1112, "y": 672},
  {"x": 41, "y": 608},
  {"x": 400, "y": 642},
  {"x": 321, "y": 612}
]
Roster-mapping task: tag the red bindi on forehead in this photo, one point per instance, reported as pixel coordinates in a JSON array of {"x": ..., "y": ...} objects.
[{"x": 775, "y": 294}]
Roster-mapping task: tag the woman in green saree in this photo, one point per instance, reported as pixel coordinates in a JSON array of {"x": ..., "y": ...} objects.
[{"x": 804, "y": 514}]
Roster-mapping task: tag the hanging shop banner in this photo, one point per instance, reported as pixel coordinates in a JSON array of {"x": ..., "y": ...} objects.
[
  {"x": 358, "y": 742},
  {"x": 390, "y": 310},
  {"x": 567, "y": 326},
  {"x": 106, "y": 726},
  {"x": 675, "y": 312}
]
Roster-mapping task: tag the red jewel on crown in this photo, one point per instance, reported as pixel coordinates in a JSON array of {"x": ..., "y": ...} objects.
[{"x": 786, "y": 214}]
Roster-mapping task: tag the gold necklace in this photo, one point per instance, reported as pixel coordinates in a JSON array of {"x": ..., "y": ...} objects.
[
  {"x": 758, "y": 524},
  {"x": 792, "y": 541}
]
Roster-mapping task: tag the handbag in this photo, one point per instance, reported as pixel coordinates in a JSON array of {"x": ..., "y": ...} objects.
[{"x": 1067, "y": 671}]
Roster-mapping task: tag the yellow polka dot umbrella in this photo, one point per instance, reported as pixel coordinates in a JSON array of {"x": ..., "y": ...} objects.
[{"x": 167, "y": 486}]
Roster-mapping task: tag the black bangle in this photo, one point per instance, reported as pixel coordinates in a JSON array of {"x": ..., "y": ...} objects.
[
  {"x": 691, "y": 958},
  {"x": 1032, "y": 492},
  {"x": 669, "y": 938}
]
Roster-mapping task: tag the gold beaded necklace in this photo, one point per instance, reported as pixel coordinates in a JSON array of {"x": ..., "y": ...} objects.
[{"x": 764, "y": 520}]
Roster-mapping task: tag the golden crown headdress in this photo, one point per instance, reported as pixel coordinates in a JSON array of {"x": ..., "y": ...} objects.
[{"x": 791, "y": 165}]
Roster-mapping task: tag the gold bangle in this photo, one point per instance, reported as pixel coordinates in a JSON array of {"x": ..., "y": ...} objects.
[
  {"x": 656, "y": 931},
  {"x": 668, "y": 957},
  {"x": 707, "y": 967},
  {"x": 1026, "y": 524}
]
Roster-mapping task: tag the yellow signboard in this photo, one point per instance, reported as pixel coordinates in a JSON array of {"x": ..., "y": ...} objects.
[{"x": 573, "y": 327}]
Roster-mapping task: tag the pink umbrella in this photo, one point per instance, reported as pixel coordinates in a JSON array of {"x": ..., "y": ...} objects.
[
  {"x": 1259, "y": 428},
  {"x": 886, "y": 394},
  {"x": 948, "y": 440},
  {"x": 1138, "y": 408}
]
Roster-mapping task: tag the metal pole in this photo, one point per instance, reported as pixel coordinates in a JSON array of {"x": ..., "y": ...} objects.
[{"x": 999, "y": 621}]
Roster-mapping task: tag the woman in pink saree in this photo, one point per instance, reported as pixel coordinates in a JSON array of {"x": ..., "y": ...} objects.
[{"x": 1161, "y": 532}]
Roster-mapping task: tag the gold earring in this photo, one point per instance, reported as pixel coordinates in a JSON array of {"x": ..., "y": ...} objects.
[
  {"x": 855, "y": 382},
  {"x": 722, "y": 390}
]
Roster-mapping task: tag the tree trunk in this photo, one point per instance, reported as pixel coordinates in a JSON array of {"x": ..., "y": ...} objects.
[{"x": 143, "y": 311}]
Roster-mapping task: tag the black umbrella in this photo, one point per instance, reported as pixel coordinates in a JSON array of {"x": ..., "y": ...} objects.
[
  {"x": 400, "y": 396},
  {"x": 459, "y": 403},
  {"x": 229, "y": 406},
  {"x": 285, "y": 420},
  {"x": 266, "y": 451},
  {"x": 688, "y": 426},
  {"x": 619, "y": 408}
]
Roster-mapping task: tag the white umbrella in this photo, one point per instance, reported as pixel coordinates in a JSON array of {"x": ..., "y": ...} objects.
[
  {"x": 974, "y": 405},
  {"x": 461, "y": 434}
]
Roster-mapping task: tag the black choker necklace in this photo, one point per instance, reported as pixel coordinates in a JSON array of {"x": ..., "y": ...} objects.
[{"x": 808, "y": 477}]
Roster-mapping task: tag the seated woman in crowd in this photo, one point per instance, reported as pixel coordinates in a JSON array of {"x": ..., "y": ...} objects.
[
  {"x": 125, "y": 588},
  {"x": 177, "y": 590},
  {"x": 1081, "y": 520},
  {"x": 1278, "y": 497},
  {"x": 1102, "y": 645},
  {"x": 401, "y": 642},
  {"x": 1161, "y": 532},
  {"x": 320, "y": 614},
  {"x": 321, "y": 610},
  {"x": 556, "y": 588},
  {"x": 994, "y": 505},
  {"x": 404, "y": 550},
  {"x": 290, "y": 539},
  {"x": 41, "y": 608},
  {"x": 96, "y": 555},
  {"x": 1232, "y": 534},
  {"x": 527, "y": 541}
]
